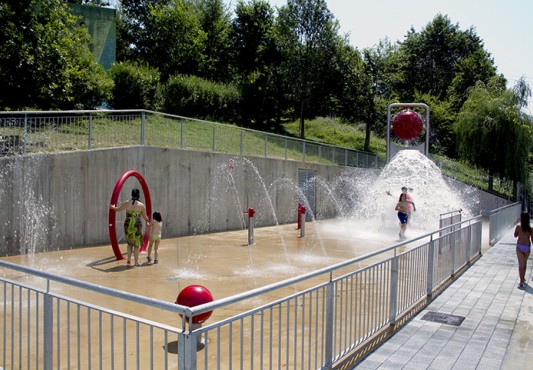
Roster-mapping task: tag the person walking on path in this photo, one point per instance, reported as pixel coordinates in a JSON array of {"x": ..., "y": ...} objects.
[
  {"x": 523, "y": 246},
  {"x": 155, "y": 236},
  {"x": 403, "y": 213},
  {"x": 132, "y": 224}
]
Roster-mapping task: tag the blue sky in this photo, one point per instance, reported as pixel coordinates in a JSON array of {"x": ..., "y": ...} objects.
[{"x": 506, "y": 27}]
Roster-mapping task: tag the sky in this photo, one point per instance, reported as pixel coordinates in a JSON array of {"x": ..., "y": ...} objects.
[{"x": 504, "y": 26}]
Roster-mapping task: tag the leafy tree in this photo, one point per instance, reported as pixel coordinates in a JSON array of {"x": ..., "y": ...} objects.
[
  {"x": 177, "y": 41},
  {"x": 215, "y": 20},
  {"x": 255, "y": 62},
  {"x": 134, "y": 28},
  {"x": 441, "y": 127},
  {"x": 442, "y": 60},
  {"x": 379, "y": 72},
  {"x": 309, "y": 43},
  {"x": 493, "y": 133},
  {"x": 44, "y": 59}
]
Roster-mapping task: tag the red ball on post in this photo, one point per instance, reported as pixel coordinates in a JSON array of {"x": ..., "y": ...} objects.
[
  {"x": 195, "y": 295},
  {"x": 407, "y": 125}
]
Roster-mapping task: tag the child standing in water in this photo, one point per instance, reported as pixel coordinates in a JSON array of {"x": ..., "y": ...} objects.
[
  {"x": 133, "y": 228},
  {"x": 155, "y": 236},
  {"x": 403, "y": 213},
  {"x": 523, "y": 246}
]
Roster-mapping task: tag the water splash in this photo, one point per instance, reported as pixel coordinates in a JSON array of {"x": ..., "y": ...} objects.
[{"x": 427, "y": 188}]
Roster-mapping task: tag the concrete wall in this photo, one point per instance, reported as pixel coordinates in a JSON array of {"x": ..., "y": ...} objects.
[{"x": 61, "y": 201}]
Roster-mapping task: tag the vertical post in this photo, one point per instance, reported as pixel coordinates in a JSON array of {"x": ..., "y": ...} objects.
[
  {"x": 431, "y": 264},
  {"x": 302, "y": 222},
  {"x": 468, "y": 245},
  {"x": 213, "y": 146},
  {"x": 285, "y": 148},
  {"x": 90, "y": 131},
  {"x": 181, "y": 134},
  {"x": 24, "y": 134},
  {"x": 452, "y": 250},
  {"x": 143, "y": 123},
  {"x": 242, "y": 143},
  {"x": 393, "y": 290},
  {"x": 251, "y": 214},
  {"x": 345, "y": 157},
  {"x": 330, "y": 309},
  {"x": 266, "y": 146},
  {"x": 187, "y": 345},
  {"x": 48, "y": 331},
  {"x": 303, "y": 151}
]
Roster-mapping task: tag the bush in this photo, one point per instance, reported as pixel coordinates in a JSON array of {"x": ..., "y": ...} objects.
[
  {"x": 136, "y": 86},
  {"x": 193, "y": 96}
]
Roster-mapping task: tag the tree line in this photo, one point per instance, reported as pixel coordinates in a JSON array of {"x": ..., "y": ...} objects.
[{"x": 257, "y": 67}]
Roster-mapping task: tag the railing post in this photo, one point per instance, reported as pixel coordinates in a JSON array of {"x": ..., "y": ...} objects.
[
  {"x": 242, "y": 142},
  {"x": 431, "y": 267},
  {"x": 303, "y": 151},
  {"x": 468, "y": 246},
  {"x": 24, "y": 135},
  {"x": 48, "y": 332},
  {"x": 345, "y": 157},
  {"x": 266, "y": 146},
  {"x": 452, "y": 250},
  {"x": 90, "y": 130},
  {"x": 187, "y": 347},
  {"x": 143, "y": 122},
  {"x": 214, "y": 146},
  {"x": 330, "y": 309},
  {"x": 182, "y": 126},
  {"x": 393, "y": 290}
]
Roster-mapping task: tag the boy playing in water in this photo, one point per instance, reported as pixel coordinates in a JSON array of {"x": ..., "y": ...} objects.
[{"x": 402, "y": 207}]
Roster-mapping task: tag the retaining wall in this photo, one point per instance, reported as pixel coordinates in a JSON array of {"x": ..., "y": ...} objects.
[{"x": 61, "y": 200}]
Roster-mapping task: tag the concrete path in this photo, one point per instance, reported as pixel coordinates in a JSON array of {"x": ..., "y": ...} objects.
[{"x": 497, "y": 331}]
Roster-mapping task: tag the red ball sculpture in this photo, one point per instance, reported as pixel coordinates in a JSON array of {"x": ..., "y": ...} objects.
[
  {"x": 407, "y": 125},
  {"x": 195, "y": 295}
]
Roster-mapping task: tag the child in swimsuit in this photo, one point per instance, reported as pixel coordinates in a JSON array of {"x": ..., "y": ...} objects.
[
  {"x": 403, "y": 213},
  {"x": 155, "y": 236},
  {"x": 524, "y": 234}
]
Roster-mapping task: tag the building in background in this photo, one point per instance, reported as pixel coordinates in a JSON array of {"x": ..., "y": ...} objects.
[{"x": 101, "y": 25}]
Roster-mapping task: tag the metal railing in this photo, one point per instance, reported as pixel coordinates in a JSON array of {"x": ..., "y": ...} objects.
[
  {"x": 501, "y": 219},
  {"x": 327, "y": 315},
  {"x": 23, "y": 133}
]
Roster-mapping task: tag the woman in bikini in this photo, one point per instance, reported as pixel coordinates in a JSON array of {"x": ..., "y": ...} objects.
[
  {"x": 523, "y": 246},
  {"x": 132, "y": 224}
]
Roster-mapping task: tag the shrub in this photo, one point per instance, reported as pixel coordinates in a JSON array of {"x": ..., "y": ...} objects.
[
  {"x": 136, "y": 86},
  {"x": 193, "y": 96}
]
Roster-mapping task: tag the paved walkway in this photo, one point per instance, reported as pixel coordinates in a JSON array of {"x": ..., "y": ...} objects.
[{"x": 497, "y": 331}]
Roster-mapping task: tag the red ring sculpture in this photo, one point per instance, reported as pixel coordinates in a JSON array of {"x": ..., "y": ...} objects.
[{"x": 112, "y": 214}]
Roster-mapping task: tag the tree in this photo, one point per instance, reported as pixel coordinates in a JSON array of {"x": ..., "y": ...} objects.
[
  {"x": 450, "y": 61},
  {"x": 44, "y": 59},
  {"x": 134, "y": 28},
  {"x": 255, "y": 62},
  {"x": 309, "y": 42},
  {"x": 493, "y": 133},
  {"x": 177, "y": 41},
  {"x": 214, "y": 19}
]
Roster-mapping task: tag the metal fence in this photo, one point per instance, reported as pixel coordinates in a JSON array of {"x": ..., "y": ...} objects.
[
  {"x": 23, "y": 133},
  {"x": 327, "y": 315},
  {"x": 501, "y": 219}
]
